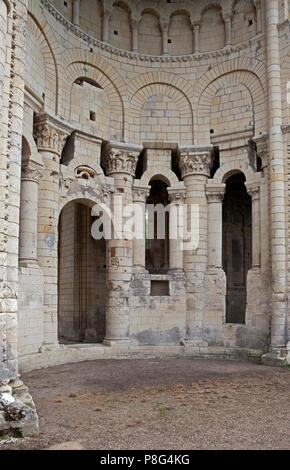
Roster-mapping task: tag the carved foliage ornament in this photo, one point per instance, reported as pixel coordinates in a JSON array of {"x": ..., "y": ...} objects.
[
  {"x": 196, "y": 163},
  {"x": 121, "y": 162},
  {"x": 49, "y": 138}
]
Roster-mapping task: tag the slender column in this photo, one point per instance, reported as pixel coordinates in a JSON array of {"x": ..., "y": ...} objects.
[
  {"x": 196, "y": 32},
  {"x": 215, "y": 195},
  {"x": 135, "y": 23},
  {"x": 106, "y": 21},
  {"x": 254, "y": 192},
  {"x": 50, "y": 138},
  {"x": 259, "y": 15},
  {"x": 76, "y": 12},
  {"x": 195, "y": 165},
  {"x": 228, "y": 28},
  {"x": 177, "y": 199},
  {"x": 277, "y": 179},
  {"x": 121, "y": 165},
  {"x": 28, "y": 212},
  {"x": 140, "y": 196},
  {"x": 164, "y": 29}
]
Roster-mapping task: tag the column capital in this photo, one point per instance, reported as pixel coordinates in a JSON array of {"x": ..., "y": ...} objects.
[
  {"x": 121, "y": 161},
  {"x": 196, "y": 161},
  {"x": 140, "y": 193},
  {"x": 164, "y": 23},
  {"x": 135, "y": 22},
  {"x": 31, "y": 171},
  {"x": 50, "y": 134},
  {"x": 261, "y": 142},
  {"x": 196, "y": 26},
  {"x": 215, "y": 193},
  {"x": 253, "y": 190},
  {"x": 177, "y": 196},
  {"x": 257, "y": 3}
]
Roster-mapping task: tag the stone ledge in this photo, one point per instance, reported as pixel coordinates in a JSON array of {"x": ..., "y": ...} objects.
[{"x": 91, "y": 352}]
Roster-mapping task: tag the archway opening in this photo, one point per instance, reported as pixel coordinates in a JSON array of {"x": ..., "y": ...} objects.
[
  {"x": 82, "y": 278},
  {"x": 157, "y": 246},
  {"x": 237, "y": 246}
]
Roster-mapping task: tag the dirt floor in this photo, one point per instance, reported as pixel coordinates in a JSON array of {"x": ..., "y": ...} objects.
[{"x": 177, "y": 404}]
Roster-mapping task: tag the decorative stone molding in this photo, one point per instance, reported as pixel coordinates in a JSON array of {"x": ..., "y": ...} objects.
[
  {"x": 135, "y": 55},
  {"x": 141, "y": 193},
  {"x": 50, "y": 134},
  {"x": 253, "y": 191},
  {"x": 262, "y": 148},
  {"x": 196, "y": 161}
]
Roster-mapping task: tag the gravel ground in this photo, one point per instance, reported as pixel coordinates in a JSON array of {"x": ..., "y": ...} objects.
[{"x": 177, "y": 404}]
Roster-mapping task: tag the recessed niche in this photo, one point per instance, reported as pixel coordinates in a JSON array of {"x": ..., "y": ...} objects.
[{"x": 159, "y": 288}]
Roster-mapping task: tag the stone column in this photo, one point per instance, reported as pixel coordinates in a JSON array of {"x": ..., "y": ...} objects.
[
  {"x": 106, "y": 21},
  {"x": 215, "y": 195},
  {"x": 121, "y": 165},
  {"x": 164, "y": 29},
  {"x": 4, "y": 6},
  {"x": 277, "y": 180},
  {"x": 140, "y": 195},
  {"x": 259, "y": 15},
  {"x": 196, "y": 32},
  {"x": 50, "y": 137},
  {"x": 177, "y": 199},
  {"x": 76, "y": 12},
  {"x": 30, "y": 177},
  {"x": 228, "y": 27},
  {"x": 195, "y": 165},
  {"x": 135, "y": 23},
  {"x": 254, "y": 192}
]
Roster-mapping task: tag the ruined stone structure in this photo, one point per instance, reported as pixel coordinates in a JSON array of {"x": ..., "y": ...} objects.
[{"x": 172, "y": 102}]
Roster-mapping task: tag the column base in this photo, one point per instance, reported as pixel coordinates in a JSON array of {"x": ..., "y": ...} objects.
[{"x": 116, "y": 341}]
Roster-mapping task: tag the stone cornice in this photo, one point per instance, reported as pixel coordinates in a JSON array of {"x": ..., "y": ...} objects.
[{"x": 136, "y": 55}]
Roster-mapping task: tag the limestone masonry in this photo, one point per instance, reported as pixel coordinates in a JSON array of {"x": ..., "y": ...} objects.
[{"x": 179, "y": 103}]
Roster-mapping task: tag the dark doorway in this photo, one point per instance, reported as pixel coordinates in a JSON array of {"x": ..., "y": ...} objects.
[{"x": 237, "y": 246}]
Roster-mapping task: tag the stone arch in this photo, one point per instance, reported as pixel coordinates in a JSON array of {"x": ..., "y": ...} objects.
[
  {"x": 230, "y": 169},
  {"x": 167, "y": 176},
  {"x": 212, "y": 38},
  {"x": 150, "y": 36},
  {"x": 120, "y": 22},
  {"x": 79, "y": 63},
  {"x": 180, "y": 33},
  {"x": 44, "y": 37},
  {"x": 245, "y": 77}
]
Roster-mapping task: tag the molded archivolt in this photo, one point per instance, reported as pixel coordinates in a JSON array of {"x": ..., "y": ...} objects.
[
  {"x": 224, "y": 75},
  {"x": 162, "y": 87},
  {"x": 46, "y": 43},
  {"x": 79, "y": 63}
]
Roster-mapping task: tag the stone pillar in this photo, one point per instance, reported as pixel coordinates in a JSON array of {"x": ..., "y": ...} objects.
[
  {"x": 277, "y": 180},
  {"x": 135, "y": 22},
  {"x": 164, "y": 29},
  {"x": 254, "y": 192},
  {"x": 215, "y": 195},
  {"x": 177, "y": 199},
  {"x": 228, "y": 28},
  {"x": 28, "y": 212},
  {"x": 106, "y": 21},
  {"x": 195, "y": 165},
  {"x": 4, "y": 5},
  {"x": 76, "y": 12},
  {"x": 259, "y": 15},
  {"x": 196, "y": 32},
  {"x": 50, "y": 136},
  {"x": 140, "y": 195},
  {"x": 121, "y": 165}
]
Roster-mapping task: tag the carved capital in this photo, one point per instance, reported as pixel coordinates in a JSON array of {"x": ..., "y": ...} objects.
[
  {"x": 50, "y": 134},
  {"x": 121, "y": 161},
  {"x": 177, "y": 196},
  {"x": 253, "y": 191},
  {"x": 30, "y": 171},
  {"x": 262, "y": 148},
  {"x": 135, "y": 23},
  {"x": 196, "y": 162},
  {"x": 140, "y": 194},
  {"x": 215, "y": 196}
]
